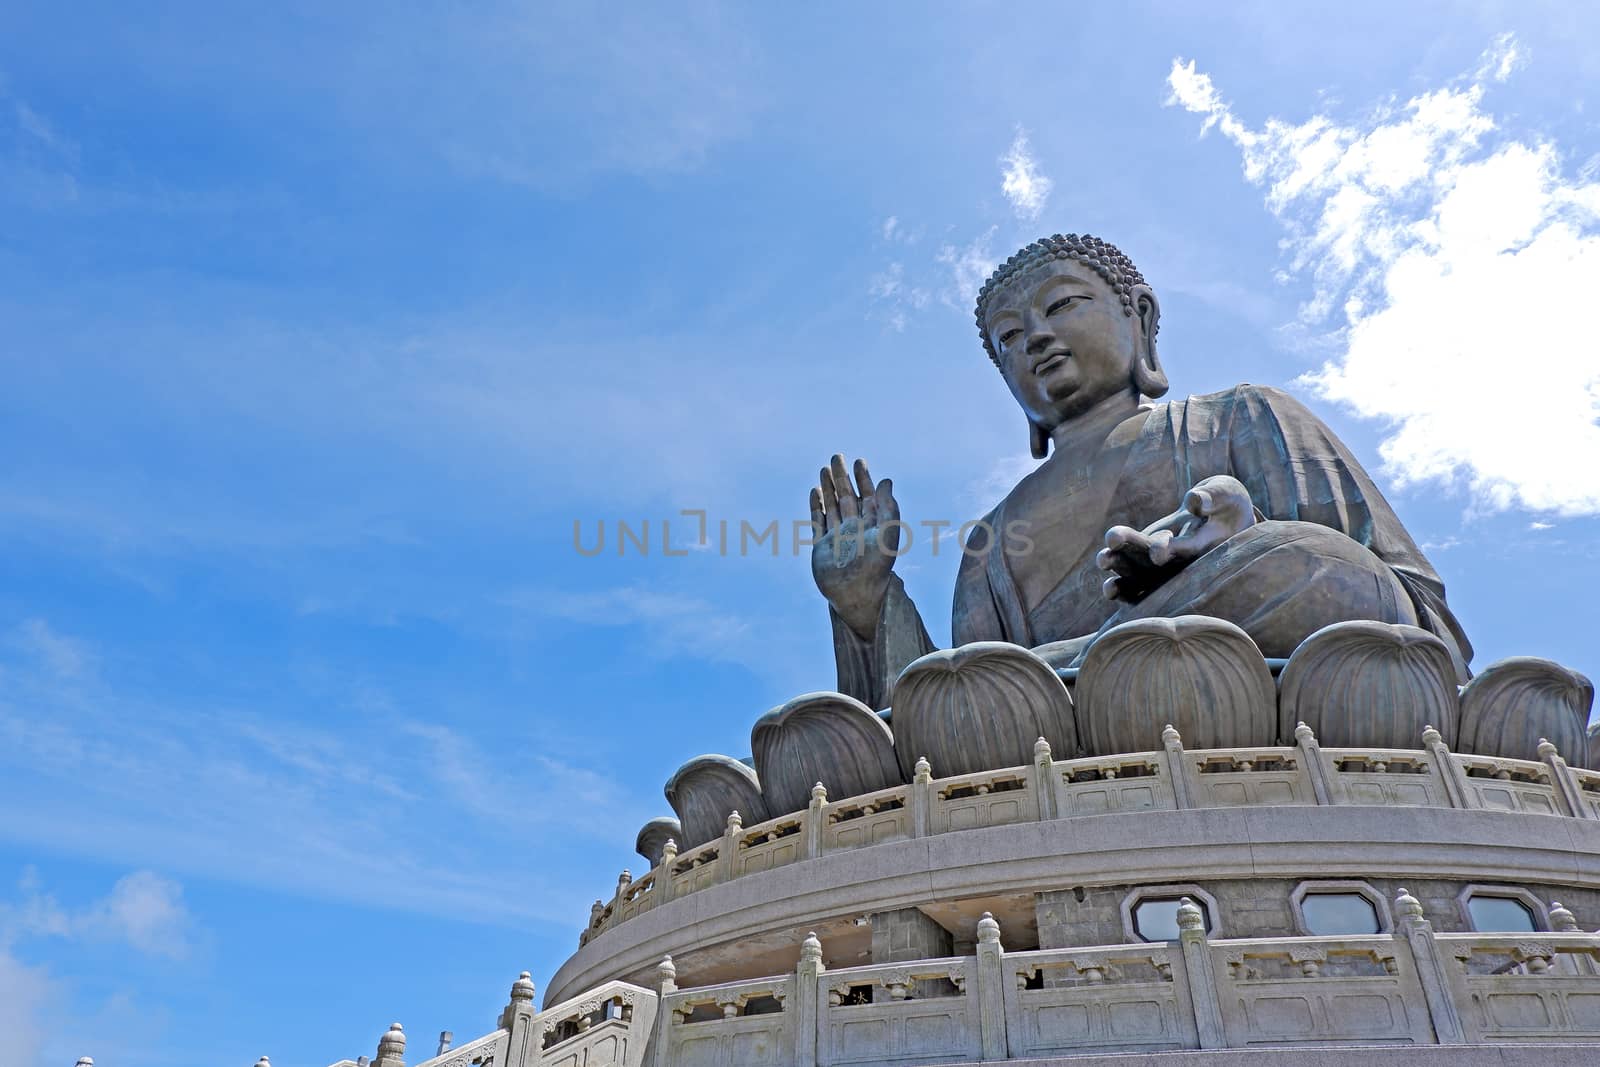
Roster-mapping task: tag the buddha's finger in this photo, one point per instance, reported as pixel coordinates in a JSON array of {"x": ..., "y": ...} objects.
[
  {"x": 863, "y": 479},
  {"x": 830, "y": 501},
  {"x": 816, "y": 514},
  {"x": 849, "y": 506},
  {"x": 888, "y": 506},
  {"x": 1110, "y": 589}
]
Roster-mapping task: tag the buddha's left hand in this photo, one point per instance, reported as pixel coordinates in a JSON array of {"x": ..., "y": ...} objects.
[{"x": 1213, "y": 511}]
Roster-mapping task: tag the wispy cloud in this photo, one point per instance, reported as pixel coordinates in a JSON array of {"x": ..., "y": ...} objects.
[
  {"x": 969, "y": 266},
  {"x": 1021, "y": 180},
  {"x": 143, "y": 910},
  {"x": 1442, "y": 252}
]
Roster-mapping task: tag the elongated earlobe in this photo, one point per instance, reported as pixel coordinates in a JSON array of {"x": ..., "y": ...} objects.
[
  {"x": 1148, "y": 377},
  {"x": 1038, "y": 440}
]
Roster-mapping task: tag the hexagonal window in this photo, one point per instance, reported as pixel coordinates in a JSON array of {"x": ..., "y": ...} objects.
[
  {"x": 1156, "y": 918},
  {"x": 1500, "y": 915},
  {"x": 1332, "y": 914}
]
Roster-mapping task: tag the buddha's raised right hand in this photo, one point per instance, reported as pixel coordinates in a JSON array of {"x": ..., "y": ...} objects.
[{"x": 858, "y": 536}]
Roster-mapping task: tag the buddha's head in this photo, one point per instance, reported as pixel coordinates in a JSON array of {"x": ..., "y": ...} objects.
[{"x": 1072, "y": 325}]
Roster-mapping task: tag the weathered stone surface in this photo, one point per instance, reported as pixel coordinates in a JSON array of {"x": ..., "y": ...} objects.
[
  {"x": 1594, "y": 747},
  {"x": 1515, "y": 702},
  {"x": 1202, "y": 675},
  {"x": 1369, "y": 684},
  {"x": 980, "y": 706},
  {"x": 706, "y": 789},
  {"x": 821, "y": 737},
  {"x": 654, "y": 835}
]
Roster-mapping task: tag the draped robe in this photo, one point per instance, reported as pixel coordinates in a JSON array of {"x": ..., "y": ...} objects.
[{"x": 1331, "y": 547}]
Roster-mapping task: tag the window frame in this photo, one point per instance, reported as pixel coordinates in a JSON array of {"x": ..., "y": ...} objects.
[
  {"x": 1337, "y": 887},
  {"x": 1536, "y": 907},
  {"x": 1139, "y": 894}
]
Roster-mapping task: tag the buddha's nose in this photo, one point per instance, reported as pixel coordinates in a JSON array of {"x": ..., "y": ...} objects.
[{"x": 1039, "y": 339}]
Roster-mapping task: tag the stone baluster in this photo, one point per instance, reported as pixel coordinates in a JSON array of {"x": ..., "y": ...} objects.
[
  {"x": 447, "y": 1038},
  {"x": 1044, "y": 779},
  {"x": 1450, "y": 772},
  {"x": 522, "y": 1042},
  {"x": 991, "y": 989},
  {"x": 624, "y": 883},
  {"x": 1201, "y": 974},
  {"x": 728, "y": 858},
  {"x": 922, "y": 798},
  {"x": 1433, "y": 971},
  {"x": 660, "y": 1035},
  {"x": 1325, "y": 785},
  {"x": 807, "y": 1007},
  {"x": 1568, "y": 791},
  {"x": 1562, "y": 921},
  {"x": 392, "y": 1048},
  {"x": 1177, "y": 767},
  {"x": 816, "y": 820},
  {"x": 669, "y": 856}
]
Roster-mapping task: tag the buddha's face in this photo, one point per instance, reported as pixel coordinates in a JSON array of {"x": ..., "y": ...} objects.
[{"x": 1064, "y": 341}]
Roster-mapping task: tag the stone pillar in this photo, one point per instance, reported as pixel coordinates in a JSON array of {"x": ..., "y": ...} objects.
[
  {"x": 392, "y": 1048},
  {"x": 907, "y": 934},
  {"x": 730, "y": 847},
  {"x": 922, "y": 798},
  {"x": 669, "y": 856},
  {"x": 1044, "y": 779},
  {"x": 1202, "y": 977},
  {"x": 1450, "y": 772},
  {"x": 1431, "y": 966},
  {"x": 816, "y": 820},
  {"x": 1567, "y": 788},
  {"x": 1177, "y": 767},
  {"x": 1324, "y": 783},
  {"x": 522, "y": 1044},
  {"x": 991, "y": 991},
  {"x": 666, "y": 984},
  {"x": 807, "y": 985}
]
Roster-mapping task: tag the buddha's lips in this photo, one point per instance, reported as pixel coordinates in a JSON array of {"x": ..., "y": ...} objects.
[{"x": 1051, "y": 361}]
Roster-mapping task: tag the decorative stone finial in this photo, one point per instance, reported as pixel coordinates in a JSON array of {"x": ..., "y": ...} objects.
[
  {"x": 1563, "y": 920},
  {"x": 666, "y": 971},
  {"x": 595, "y": 910},
  {"x": 88, "y": 1061},
  {"x": 735, "y": 822},
  {"x": 819, "y": 794},
  {"x": 262, "y": 1062},
  {"x": 1303, "y": 734},
  {"x": 811, "y": 949},
  {"x": 522, "y": 989},
  {"x": 1190, "y": 918},
  {"x": 624, "y": 880},
  {"x": 1169, "y": 736},
  {"x": 669, "y": 852},
  {"x": 392, "y": 1045},
  {"x": 988, "y": 930},
  {"x": 1409, "y": 907},
  {"x": 1546, "y": 749},
  {"x": 923, "y": 772},
  {"x": 1430, "y": 736},
  {"x": 1041, "y": 751}
]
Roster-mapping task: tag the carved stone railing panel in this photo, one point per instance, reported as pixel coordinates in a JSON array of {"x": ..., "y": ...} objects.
[
  {"x": 731, "y": 1025},
  {"x": 1100, "y": 785},
  {"x": 1589, "y": 789},
  {"x": 1388, "y": 777},
  {"x": 1539, "y": 987},
  {"x": 1130, "y": 998},
  {"x": 607, "y": 1026},
  {"x": 772, "y": 844},
  {"x": 867, "y": 820},
  {"x": 1237, "y": 777},
  {"x": 486, "y": 1051},
  {"x": 989, "y": 798},
  {"x": 872, "y": 1017},
  {"x": 1510, "y": 784},
  {"x": 1299, "y": 991}
]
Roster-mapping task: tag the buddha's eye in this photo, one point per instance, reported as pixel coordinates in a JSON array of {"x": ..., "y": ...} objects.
[
  {"x": 1061, "y": 305},
  {"x": 1010, "y": 335}
]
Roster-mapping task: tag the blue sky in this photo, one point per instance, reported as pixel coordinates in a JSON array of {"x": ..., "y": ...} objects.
[{"x": 320, "y": 326}]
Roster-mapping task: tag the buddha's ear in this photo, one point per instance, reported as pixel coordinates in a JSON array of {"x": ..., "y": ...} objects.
[
  {"x": 1148, "y": 376},
  {"x": 1038, "y": 440}
]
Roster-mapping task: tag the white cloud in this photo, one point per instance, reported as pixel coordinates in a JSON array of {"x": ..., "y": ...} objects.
[
  {"x": 1447, "y": 258},
  {"x": 1024, "y": 186},
  {"x": 65, "y": 657},
  {"x": 29, "y": 999},
  {"x": 143, "y": 910},
  {"x": 969, "y": 268}
]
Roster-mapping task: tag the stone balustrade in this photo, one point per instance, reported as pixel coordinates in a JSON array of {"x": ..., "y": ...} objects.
[
  {"x": 1169, "y": 779},
  {"x": 1409, "y": 987}
]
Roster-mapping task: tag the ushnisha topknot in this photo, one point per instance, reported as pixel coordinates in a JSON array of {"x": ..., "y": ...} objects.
[{"x": 1104, "y": 258}]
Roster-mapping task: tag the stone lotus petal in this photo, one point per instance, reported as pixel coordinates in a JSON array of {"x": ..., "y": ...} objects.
[
  {"x": 821, "y": 737},
  {"x": 706, "y": 789},
  {"x": 1203, "y": 675},
  {"x": 1369, "y": 684},
  {"x": 978, "y": 707},
  {"x": 1515, "y": 702},
  {"x": 654, "y": 835}
]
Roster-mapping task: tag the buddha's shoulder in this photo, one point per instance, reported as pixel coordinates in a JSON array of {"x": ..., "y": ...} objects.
[{"x": 1243, "y": 401}]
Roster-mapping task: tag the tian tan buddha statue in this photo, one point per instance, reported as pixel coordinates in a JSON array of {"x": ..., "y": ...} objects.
[
  {"x": 1139, "y": 589},
  {"x": 1241, "y": 505}
]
